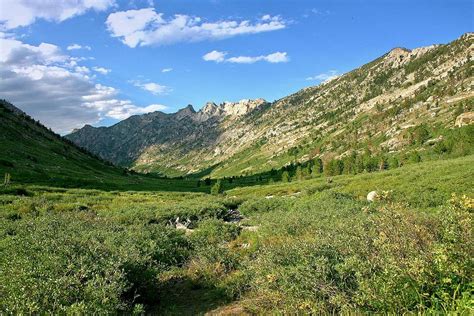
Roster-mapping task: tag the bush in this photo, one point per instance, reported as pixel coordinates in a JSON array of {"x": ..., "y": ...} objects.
[
  {"x": 217, "y": 188},
  {"x": 68, "y": 263},
  {"x": 337, "y": 256}
]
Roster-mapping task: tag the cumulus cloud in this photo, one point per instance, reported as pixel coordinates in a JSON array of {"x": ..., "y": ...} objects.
[
  {"x": 16, "y": 13},
  {"x": 147, "y": 27},
  {"x": 166, "y": 70},
  {"x": 219, "y": 57},
  {"x": 152, "y": 87},
  {"x": 82, "y": 69},
  {"x": 215, "y": 55},
  {"x": 325, "y": 77},
  {"x": 77, "y": 46},
  {"x": 101, "y": 70},
  {"x": 53, "y": 88}
]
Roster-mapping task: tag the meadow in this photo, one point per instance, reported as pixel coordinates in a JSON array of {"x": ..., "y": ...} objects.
[{"x": 310, "y": 246}]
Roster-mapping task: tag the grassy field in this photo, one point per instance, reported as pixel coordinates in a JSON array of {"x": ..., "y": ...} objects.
[{"x": 311, "y": 246}]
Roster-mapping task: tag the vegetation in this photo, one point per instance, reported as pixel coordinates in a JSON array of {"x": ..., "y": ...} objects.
[
  {"x": 287, "y": 226},
  {"x": 391, "y": 105},
  {"x": 305, "y": 246}
]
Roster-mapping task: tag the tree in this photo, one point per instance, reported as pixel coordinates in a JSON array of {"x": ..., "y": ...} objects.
[
  {"x": 306, "y": 171},
  {"x": 414, "y": 157},
  {"x": 350, "y": 164},
  {"x": 299, "y": 173},
  {"x": 7, "y": 179},
  {"x": 334, "y": 167},
  {"x": 317, "y": 167},
  {"x": 393, "y": 163},
  {"x": 216, "y": 188},
  {"x": 383, "y": 163},
  {"x": 285, "y": 177},
  {"x": 419, "y": 135}
]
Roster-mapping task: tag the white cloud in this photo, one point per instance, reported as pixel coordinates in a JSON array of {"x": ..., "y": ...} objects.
[
  {"x": 122, "y": 109},
  {"x": 146, "y": 27},
  {"x": 101, "y": 70},
  {"x": 218, "y": 57},
  {"x": 16, "y": 13},
  {"x": 277, "y": 57},
  {"x": 215, "y": 55},
  {"x": 53, "y": 88},
  {"x": 325, "y": 77},
  {"x": 77, "y": 46},
  {"x": 166, "y": 70},
  {"x": 152, "y": 87},
  {"x": 18, "y": 53},
  {"x": 82, "y": 69}
]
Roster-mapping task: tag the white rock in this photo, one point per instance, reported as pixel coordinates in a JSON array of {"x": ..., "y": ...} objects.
[{"x": 372, "y": 196}]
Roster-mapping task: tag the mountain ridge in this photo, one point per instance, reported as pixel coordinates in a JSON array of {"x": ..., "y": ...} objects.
[{"x": 374, "y": 106}]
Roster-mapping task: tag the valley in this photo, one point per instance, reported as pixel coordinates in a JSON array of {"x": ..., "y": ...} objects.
[
  {"x": 352, "y": 196},
  {"x": 121, "y": 251}
]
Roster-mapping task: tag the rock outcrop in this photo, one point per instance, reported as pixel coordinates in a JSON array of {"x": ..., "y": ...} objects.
[{"x": 464, "y": 119}]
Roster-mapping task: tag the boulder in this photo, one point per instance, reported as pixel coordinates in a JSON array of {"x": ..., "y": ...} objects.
[
  {"x": 464, "y": 119},
  {"x": 372, "y": 196}
]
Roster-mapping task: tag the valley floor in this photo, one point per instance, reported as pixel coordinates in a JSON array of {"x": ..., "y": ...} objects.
[{"x": 310, "y": 246}]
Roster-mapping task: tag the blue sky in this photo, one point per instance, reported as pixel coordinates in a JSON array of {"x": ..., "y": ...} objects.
[{"x": 285, "y": 46}]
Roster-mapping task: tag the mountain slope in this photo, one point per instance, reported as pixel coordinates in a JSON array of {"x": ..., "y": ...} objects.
[
  {"x": 379, "y": 107},
  {"x": 31, "y": 153}
]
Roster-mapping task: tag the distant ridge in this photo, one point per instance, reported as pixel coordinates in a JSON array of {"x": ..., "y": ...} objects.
[{"x": 373, "y": 108}]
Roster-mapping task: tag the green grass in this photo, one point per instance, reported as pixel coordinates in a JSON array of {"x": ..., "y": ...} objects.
[
  {"x": 316, "y": 246},
  {"x": 426, "y": 184}
]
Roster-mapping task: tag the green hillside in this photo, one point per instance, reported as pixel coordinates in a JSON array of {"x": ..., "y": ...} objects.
[
  {"x": 31, "y": 153},
  {"x": 402, "y": 102}
]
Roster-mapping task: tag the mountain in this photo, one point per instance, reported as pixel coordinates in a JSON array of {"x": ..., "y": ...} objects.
[
  {"x": 381, "y": 107},
  {"x": 142, "y": 139},
  {"x": 31, "y": 153}
]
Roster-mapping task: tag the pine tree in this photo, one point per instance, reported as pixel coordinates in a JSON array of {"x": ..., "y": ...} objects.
[
  {"x": 299, "y": 173},
  {"x": 285, "y": 177},
  {"x": 317, "y": 167}
]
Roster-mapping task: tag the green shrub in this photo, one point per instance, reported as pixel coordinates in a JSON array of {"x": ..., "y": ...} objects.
[
  {"x": 68, "y": 263},
  {"x": 217, "y": 188},
  {"x": 337, "y": 256}
]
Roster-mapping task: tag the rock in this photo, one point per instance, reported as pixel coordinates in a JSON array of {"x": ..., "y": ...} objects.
[
  {"x": 250, "y": 228},
  {"x": 233, "y": 216},
  {"x": 464, "y": 119},
  {"x": 434, "y": 140},
  {"x": 180, "y": 226},
  {"x": 372, "y": 196}
]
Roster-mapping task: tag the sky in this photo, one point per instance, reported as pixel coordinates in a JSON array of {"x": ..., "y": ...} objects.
[{"x": 69, "y": 63}]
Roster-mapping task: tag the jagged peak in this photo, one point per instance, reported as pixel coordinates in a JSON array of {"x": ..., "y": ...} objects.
[
  {"x": 399, "y": 50},
  {"x": 187, "y": 108},
  {"x": 467, "y": 35},
  {"x": 397, "y": 54},
  {"x": 187, "y": 111}
]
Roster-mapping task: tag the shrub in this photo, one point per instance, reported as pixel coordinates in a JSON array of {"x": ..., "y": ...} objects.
[
  {"x": 341, "y": 257},
  {"x": 68, "y": 263},
  {"x": 217, "y": 188},
  {"x": 285, "y": 176}
]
